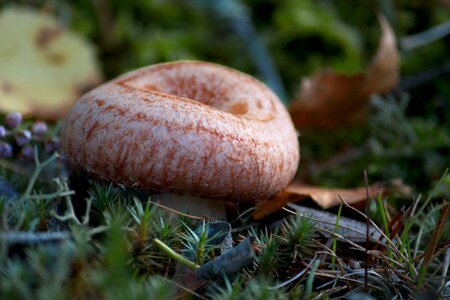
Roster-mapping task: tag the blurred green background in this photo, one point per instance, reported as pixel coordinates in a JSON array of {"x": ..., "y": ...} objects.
[
  {"x": 282, "y": 41},
  {"x": 301, "y": 36}
]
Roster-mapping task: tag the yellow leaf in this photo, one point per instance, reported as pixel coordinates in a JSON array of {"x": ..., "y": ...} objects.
[{"x": 44, "y": 68}]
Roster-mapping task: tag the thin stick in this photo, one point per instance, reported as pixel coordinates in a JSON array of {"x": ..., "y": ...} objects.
[
  {"x": 24, "y": 237},
  {"x": 183, "y": 288},
  {"x": 234, "y": 12},
  {"x": 336, "y": 228},
  {"x": 283, "y": 284},
  {"x": 176, "y": 211},
  {"x": 398, "y": 252},
  {"x": 52, "y": 195},
  {"x": 425, "y": 37},
  {"x": 366, "y": 267},
  {"x": 445, "y": 266},
  {"x": 440, "y": 226}
]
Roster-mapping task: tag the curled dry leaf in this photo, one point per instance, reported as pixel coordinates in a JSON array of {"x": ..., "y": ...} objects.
[
  {"x": 44, "y": 68},
  {"x": 327, "y": 197},
  {"x": 328, "y": 100},
  {"x": 324, "y": 197}
]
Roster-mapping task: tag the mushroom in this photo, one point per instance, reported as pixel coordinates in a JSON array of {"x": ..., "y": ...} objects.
[{"x": 185, "y": 127}]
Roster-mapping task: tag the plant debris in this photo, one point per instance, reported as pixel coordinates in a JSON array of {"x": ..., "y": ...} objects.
[
  {"x": 327, "y": 197},
  {"x": 44, "y": 67},
  {"x": 69, "y": 236},
  {"x": 328, "y": 100}
]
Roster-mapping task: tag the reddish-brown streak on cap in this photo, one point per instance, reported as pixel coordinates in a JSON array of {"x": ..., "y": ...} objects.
[{"x": 185, "y": 127}]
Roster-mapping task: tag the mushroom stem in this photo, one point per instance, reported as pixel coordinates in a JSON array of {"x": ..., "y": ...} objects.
[{"x": 193, "y": 205}]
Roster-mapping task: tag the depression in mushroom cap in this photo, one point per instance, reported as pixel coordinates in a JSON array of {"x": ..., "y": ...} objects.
[{"x": 186, "y": 127}]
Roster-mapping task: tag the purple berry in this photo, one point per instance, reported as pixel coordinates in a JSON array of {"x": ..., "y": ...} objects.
[
  {"x": 39, "y": 128},
  {"x": 23, "y": 137},
  {"x": 2, "y": 131},
  {"x": 27, "y": 153},
  {"x": 13, "y": 119},
  {"x": 6, "y": 150},
  {"x": 52, "y": 144}
]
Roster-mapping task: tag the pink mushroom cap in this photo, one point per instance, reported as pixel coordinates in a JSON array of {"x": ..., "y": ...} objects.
[{"x": 186, "y": 127}]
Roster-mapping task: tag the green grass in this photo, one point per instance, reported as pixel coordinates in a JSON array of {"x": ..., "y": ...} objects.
[{"x": 122, "y": 246}]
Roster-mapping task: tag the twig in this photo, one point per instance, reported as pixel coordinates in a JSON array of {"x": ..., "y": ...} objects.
[
  {"x": 374, "y": 275},
  {"x": 22, "y": 237},
  {"x": 437, "y": 232},
  {"x": 340, "y": 237},
  {"x": 412, "y": 81},
  {"x": 425, "y": 37},
  {"x": 438, "y": 252},
  {"x": 289, "y": 281},
  {"x": 411, "y": 220},
  {"x": 336, "y": 228},
  {"x": 397, "y": 251},
  {"x": 415, "y": 204},
  {"x": 366, "y": 266},
  {"x": 332, "y": 254},
  {"x": 184, "y": 289},
  {"x": 242, "y": 214},
  {"x": 345, "y": 277},
  {"x": 235, "y": 13},
  {"x": 177, "y": 212},
  {"x": 445, "y": 266},
  {"x": 330, "y": 292},
  {"x": 389, "y": 261},
  {"x": 52, "y": 195}
]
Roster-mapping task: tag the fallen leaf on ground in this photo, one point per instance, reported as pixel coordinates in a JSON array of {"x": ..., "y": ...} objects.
[
  {"x": 328, "y": 100},
  {"x": 44, "y": 68},
  {"x": 326, "y": 197}
]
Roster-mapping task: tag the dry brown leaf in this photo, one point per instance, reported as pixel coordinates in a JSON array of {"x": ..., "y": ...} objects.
[
  {"x": 44, "y": 68},
  {"x": 329, "y": 197},
  {"x": 326, "y": 197},
  {"x": 328, "y": 100}
]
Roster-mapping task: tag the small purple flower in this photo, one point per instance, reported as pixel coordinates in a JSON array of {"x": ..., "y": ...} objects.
[
  {"x": 23, "y": 137},
  {"x": 52, "y": 144},
  {"x": 6, "y": 150},
  {"x": 27, "y": 153},
  {"x": 13, "y": 119},
  {"x": 2, "y": 131},
  {"x": 39, "y": 128}
]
